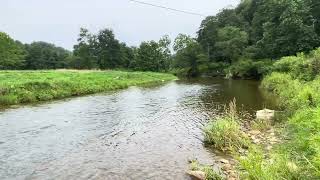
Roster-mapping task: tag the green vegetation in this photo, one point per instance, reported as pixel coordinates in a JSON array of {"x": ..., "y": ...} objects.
[
  {"x": 209, "y": 172},
  {"x": 296, "y": 81},
  {"x": 257, "y": 32},
  {"x": 225, "y": 133},
  {"x": 240, "y": 42},
  {"x": 33, "y": 86}
]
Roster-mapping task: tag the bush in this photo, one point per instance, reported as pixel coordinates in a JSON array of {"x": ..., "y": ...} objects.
[
  {"x": 247, "y": 68},
  {"x": 293, "y": 93},
  {"x": 302, "y": 67}
]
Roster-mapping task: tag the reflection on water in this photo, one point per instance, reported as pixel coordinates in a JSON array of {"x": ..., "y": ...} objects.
[{"x": 138, "y": 133}]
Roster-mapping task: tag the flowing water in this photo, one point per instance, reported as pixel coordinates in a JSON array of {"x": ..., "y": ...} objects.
[{"x": 137, "y": 133}]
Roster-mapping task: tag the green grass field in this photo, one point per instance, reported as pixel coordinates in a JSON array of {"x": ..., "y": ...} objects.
[{"x": 18, "y": 87}]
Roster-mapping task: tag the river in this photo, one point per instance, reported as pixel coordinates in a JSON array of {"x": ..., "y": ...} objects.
[{"x": 136, "y": 133}]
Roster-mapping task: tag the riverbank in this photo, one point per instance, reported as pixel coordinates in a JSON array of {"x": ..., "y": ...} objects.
[
  {"x": 286, "y": 148},
  {"x": 17, "y": 87}
]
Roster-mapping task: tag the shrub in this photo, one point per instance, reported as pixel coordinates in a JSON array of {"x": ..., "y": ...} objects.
[
  {"x": 247, "y": 68},
  {"x": 302, "y": 67}
]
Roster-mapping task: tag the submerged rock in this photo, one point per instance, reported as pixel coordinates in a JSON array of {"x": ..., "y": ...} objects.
[{"x": 197, "y": 175}]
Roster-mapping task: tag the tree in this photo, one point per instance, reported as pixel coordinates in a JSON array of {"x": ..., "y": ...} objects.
[
  {"x": 189, "y": 54},
  {"x": 108, "y": 50},
  {"x": 182, "y": 41},
  {"x": 12, "y": 53},
  {"x": 85, "y": 51},
  {"x": 153, "y": 56},
  {"x": 42, "y": 55},
  {"x": 231, "y": 42},
  {"x": 289, "y": 28},
  {"x": 148, "y": 57}
]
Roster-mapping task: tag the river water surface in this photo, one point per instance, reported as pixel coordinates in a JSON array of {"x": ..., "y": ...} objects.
[{"x": 137, "y": 133}]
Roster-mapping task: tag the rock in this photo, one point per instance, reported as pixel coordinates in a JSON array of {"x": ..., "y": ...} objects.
[
  {"x": 269, "y": 148},
  {"x": 265, "y": 114},
  {"x": 273, "y": 139},
  {"x": 256, "y": 141},
  {"x": 254, "y": 132},
  {"x": 272, "y": 134},
  {"x": 227, "y": 167},
  {"x": 197, "y": 175},
  {"x": 224, "y": 161}
]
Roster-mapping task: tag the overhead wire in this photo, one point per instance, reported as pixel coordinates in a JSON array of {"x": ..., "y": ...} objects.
[{"x": 168, "y": 8}]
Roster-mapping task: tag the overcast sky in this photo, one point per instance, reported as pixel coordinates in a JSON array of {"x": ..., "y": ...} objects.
[{"x": 58, "y": 21}]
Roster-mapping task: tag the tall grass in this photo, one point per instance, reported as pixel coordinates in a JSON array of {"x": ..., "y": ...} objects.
[
  {"x": 296, "y": 81},
  {"x": 224, "y": 133},
  {"x": 32, "y": 86}
]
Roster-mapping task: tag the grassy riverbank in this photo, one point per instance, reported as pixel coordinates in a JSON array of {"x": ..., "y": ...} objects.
[
  {"x": 32, "y": 86},
  {"x": 294, "y": 152}
]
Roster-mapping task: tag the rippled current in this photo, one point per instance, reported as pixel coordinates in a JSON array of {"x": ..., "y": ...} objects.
[{"x": 137, "y": 133}]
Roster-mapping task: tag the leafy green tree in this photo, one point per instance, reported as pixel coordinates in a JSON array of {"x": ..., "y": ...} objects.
[
  {"x": 42, "y": 55},
  {"x": 148, "y": 57},
  {"x": 12, "y": 54},
  {"x": 182, "y": 41},
  {"x": 289, "y": 29},
  {"x": 153, "y": 56},
  {"x": 231, "y": 43},
  {"x": 165, "y": 52},
  {"x": 108, "y": 50},
  {"x": 189, "y": 54},
  {"x": 85, "y": 51},
  {"x": 126, "y": 56}
]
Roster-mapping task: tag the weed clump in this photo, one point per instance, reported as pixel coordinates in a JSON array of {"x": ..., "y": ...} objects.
[
  {"x": 224, "y": 133},
  {"x": 209, "y": 171}
]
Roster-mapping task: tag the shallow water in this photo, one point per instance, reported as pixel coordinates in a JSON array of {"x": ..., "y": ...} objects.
[{"x": 137, "y": 133}]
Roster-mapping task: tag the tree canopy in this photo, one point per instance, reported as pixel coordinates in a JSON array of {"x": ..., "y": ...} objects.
[{"x": 12, "y": 53}]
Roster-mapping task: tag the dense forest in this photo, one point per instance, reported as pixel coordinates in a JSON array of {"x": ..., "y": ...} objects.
[{"x": 240, "y": 42}]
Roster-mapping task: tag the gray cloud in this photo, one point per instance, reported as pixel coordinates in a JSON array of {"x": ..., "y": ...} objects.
[{"x": 58, "y": 21}]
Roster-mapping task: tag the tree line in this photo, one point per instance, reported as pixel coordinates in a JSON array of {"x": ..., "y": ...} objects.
[
  {"x": 241, "y": 41},
  {"x": 92, "y": 51}
]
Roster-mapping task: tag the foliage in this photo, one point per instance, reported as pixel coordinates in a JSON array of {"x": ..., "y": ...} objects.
[
  {"x": 247, "y": 68},
  {"x": 224, "y": 133},
  {"x": 255, "y": 166},
  {"x": 32, "y": 86},
  {"x": 210, "y": 173},
  {"x": 12, "y": 53},
  {"x": 231, "y": 42},
  {"x": 261, "y": 30},
  {"x": 189, "y": 55},
  {"x": 153, "y": 56},
  {"x": 42, "y": 55}
]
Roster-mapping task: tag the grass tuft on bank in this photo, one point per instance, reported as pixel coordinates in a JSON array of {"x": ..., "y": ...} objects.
[
  {"x": 18, "y": 87},
  {"x": 224, "y": 133}
]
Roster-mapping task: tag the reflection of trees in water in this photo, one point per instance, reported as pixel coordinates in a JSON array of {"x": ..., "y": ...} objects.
[{"x": 218, "y": 92}]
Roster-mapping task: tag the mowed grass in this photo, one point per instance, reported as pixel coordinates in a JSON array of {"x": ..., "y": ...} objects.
[{"x": 18, "y": 87}]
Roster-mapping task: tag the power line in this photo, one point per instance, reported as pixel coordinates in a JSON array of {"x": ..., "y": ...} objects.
[{"x": 168, "y": 8}]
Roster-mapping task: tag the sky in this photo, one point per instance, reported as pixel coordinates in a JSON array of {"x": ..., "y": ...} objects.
[{"x": 59, "y": 21}]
